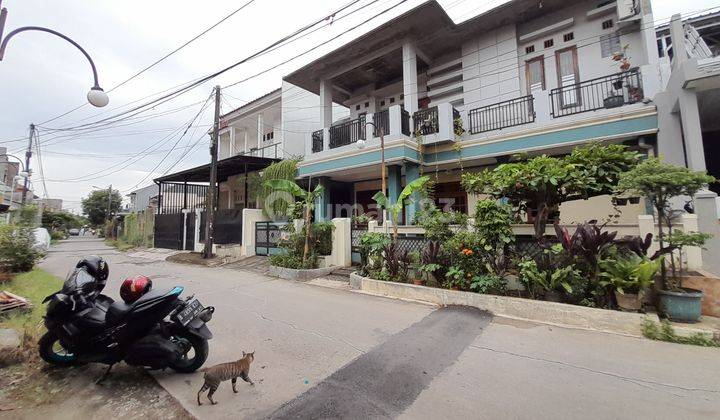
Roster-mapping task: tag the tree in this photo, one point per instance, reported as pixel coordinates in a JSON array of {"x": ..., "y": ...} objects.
[
  {"x": 540, "y": 184},
  {"x": 60, "y": 220},
  {"x": 394, "y": 209},
  {"x": 660, "y": 182},
  {"x": 308, "y": 199},
  {"x": 286, "y": 170},
  {"x": 95, "y": 206}
]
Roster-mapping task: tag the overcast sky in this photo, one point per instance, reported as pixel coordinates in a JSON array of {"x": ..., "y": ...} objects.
[{"x": 42, "y": 76}]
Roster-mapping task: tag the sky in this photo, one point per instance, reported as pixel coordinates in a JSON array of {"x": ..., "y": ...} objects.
[{"x": 42, "y": 77}]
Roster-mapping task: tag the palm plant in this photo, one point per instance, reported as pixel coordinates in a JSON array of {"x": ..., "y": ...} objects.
[
  {"x": 306, "y": 197},
  {"x": 404, "y": 198}
]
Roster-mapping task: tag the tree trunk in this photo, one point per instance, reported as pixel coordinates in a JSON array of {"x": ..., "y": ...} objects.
[
  {"x": 308, "y": 232},
  {"x": 540, "y": 222}
]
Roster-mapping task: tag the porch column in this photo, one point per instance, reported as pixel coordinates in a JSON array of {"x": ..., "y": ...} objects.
[
  {"x": 394, "y": 184},
  {"x": 706, "y": 209},
  {"x": 677, "y": 34},
  {"x": 232, "y": 141},
  {"x": 692, "y": 133},
  {"x": 410, "y": 79},
  {"x": 260, "y": 130},
  {"x": 325, "y": 111},
  {"x": 412, "y": 172},
  {"x": 245, "y": 149},
  {"x": 322, "y": 202}
]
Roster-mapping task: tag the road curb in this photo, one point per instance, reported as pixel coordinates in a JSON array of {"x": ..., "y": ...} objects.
[{"x": 559, "y": 314}]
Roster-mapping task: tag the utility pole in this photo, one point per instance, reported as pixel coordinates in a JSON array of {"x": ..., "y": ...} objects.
[
  {"x": 109, "y": 216},
  {"x": 28, "y": 155},
  {"x": 210, "y": 204}
]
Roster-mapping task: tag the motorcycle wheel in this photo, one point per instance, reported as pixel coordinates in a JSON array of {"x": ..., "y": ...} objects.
[
  {"x": 52, "y": 351},
  {"x": 196, "y": 354}
]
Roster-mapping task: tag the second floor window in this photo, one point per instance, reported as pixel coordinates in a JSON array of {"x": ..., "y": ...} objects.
[
  {"x": 535, "y": 74},
  {"x": 609, "y": 44},
  {"x": 269, "y": 136}
]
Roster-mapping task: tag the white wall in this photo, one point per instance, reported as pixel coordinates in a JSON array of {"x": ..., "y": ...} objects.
[
  {"x": 587, "y": 33},
  {"x": 490, "y": 72}
]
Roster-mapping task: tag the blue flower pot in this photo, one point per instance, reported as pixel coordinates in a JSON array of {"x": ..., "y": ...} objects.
[{"x": 681, "y": 306}]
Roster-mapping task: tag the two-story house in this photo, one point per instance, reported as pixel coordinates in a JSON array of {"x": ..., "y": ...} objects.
[{"x": 527, "y": 76}]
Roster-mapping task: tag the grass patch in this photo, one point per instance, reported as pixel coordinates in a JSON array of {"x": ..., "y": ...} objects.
[
  {"x": 665, "y": 332},
  {"x": 34, "y": 285},
  {"x": 119, "y": 244}
]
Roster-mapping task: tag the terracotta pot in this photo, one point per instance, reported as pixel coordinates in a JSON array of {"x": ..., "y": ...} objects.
[
  {"x": 628, "y": 301},
  {"x": 455, "y": 288},
  {"x": 418, "y": 282}
]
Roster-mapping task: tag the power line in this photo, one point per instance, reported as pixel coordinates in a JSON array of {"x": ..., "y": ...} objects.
[{"x": 161, "y": 59}]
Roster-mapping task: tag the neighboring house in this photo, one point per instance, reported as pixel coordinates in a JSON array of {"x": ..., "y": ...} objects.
[
  {"x": 522, "y": 77},
  {"x": 52, "y": 204},
  {"x": 143, "y": 198},
  {"x": 10, "y": 189}
]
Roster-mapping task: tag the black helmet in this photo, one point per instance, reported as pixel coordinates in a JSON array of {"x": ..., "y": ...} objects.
[{"x": 96, "y": 266}]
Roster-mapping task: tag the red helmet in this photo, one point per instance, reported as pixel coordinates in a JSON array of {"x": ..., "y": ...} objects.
[{"x": 134, "y": 287}]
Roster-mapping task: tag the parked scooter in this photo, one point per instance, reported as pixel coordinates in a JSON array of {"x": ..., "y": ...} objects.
[{"x": 152, "y": 328}]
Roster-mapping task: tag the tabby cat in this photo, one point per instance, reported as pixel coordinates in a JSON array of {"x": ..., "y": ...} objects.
[{"x": 224, "y": 371}]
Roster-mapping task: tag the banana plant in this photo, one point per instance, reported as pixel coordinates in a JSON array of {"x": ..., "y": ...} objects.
[
  {"x": 404, "y": 198},
  {"x": 308, "y": 199}
]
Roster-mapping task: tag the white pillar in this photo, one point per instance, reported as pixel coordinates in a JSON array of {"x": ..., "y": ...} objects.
[
  {"x": 706, "y": 209},
  {"x": 325, "y": 103},
  {"x": 245, "y": 147},
  {"x": 693, "y": 254},
  {"x": 341, "y": 243},
  {"x": 260, "y": 130},
  {"x": 692, "y": 132},
  {"x": 232, "y": 141},
  {"x": 678, "y": 40},
  {"x": 410, "y": 79}
]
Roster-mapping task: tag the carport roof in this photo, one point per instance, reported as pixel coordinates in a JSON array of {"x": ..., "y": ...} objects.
[{"x": 235, "y": 165}]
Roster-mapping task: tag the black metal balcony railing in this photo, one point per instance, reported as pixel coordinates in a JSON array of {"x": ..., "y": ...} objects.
[
  {"x": 317, "y": 141},
  {"x": 270, "y": 151},
  {"x": 501, "y": 115},
  {"x": 604, "y": 92},
  {"x": 405, "y": 122},
  {"x": 347, "y": 133},
  {"x": 426, "y": 121},
  {"x": 381, "y": 120}
]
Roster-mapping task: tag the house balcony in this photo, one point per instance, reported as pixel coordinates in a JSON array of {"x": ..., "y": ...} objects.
[
  {"x": 434, "y": 125},
  {"x": 273, "y": 151},
  {"x": 604, "y": 93}
]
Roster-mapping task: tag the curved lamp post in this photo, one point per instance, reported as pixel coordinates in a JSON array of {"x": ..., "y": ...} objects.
[{"x": 96, "y": 96}]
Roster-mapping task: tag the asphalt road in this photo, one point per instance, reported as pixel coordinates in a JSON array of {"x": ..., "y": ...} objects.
[{"x": 328, "y": 353}]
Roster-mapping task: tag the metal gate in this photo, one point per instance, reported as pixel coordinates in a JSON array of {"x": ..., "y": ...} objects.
[
  {"x": 356, "y": 231},
  {"x": 267, "y": 237},
  {"x": 190, "y": 235},
  {"x": 228, "y": 226},
  {"x": 169, "y": 231}
]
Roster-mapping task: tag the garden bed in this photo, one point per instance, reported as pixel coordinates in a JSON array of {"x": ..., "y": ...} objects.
[
  {"x": 560, "y": 314},
  {"x": 300, "y": 275}
]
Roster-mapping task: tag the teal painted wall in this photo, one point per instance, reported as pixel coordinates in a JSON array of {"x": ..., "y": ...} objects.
[{"x": 511, "y": 146}]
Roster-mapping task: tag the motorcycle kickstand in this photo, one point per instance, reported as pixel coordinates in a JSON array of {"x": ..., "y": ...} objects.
[{"x": 105, "y": 375}]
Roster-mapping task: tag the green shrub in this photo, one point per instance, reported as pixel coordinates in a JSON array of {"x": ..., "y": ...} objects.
[
  {"x": 665, "y": 332},
  {"x": 16, "y": 248},
  {"x": 57, "y": 235},
  {"x": 322, "y": 236}
]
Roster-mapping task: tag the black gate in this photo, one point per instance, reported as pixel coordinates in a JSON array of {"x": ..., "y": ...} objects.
[
  {"x": 190, "y": 236},
  {"x": 228, "y": 226},
  {"x": 169, "y": 231},
  {"x": 267, "y": 237}
]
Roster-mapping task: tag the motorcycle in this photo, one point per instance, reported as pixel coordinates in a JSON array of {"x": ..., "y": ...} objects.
[{"x": 157, "y": 330}]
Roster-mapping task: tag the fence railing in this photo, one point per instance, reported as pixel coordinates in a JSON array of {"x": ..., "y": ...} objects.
[
  {"x": 381, "y": 121},
  {"x": 501, "y": 115},
  {"x": 267, "y": 237},
  {"x": 270, "y": 151},
  {"x": 426, "y": 121},
  {"x": 347, "y": 133},
  {"x": 173, "y": 197},
  {"x": 317, "y": 141},
  {"x": 604, "y": 92}
]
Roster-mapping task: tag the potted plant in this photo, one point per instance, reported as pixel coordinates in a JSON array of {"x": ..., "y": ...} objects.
[
  {"x": 629, "y": 277},
  {"x": 660, "y": 182},
  {"x": 617, "y": 99},
  {"x": 551, "y": 283}
]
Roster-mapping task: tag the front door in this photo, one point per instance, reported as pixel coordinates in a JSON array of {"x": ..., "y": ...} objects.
[{"x": 567, "y": 70}]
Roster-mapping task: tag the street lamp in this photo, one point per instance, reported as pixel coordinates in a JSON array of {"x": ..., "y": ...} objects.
[
  {"x": 96, "y": 96},
  {"x": 383, "y": 170}
]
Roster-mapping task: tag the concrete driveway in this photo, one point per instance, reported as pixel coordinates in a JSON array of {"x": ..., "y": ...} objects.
[{"x": 324, "y": 353}]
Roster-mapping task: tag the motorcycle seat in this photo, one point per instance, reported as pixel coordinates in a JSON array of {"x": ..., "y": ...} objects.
[
  {"x": 117, "y": 310},
  {"x": 92, "y": 318}
]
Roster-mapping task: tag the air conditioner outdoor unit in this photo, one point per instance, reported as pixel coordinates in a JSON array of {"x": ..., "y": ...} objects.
[{"x": 628, "y": 9}]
